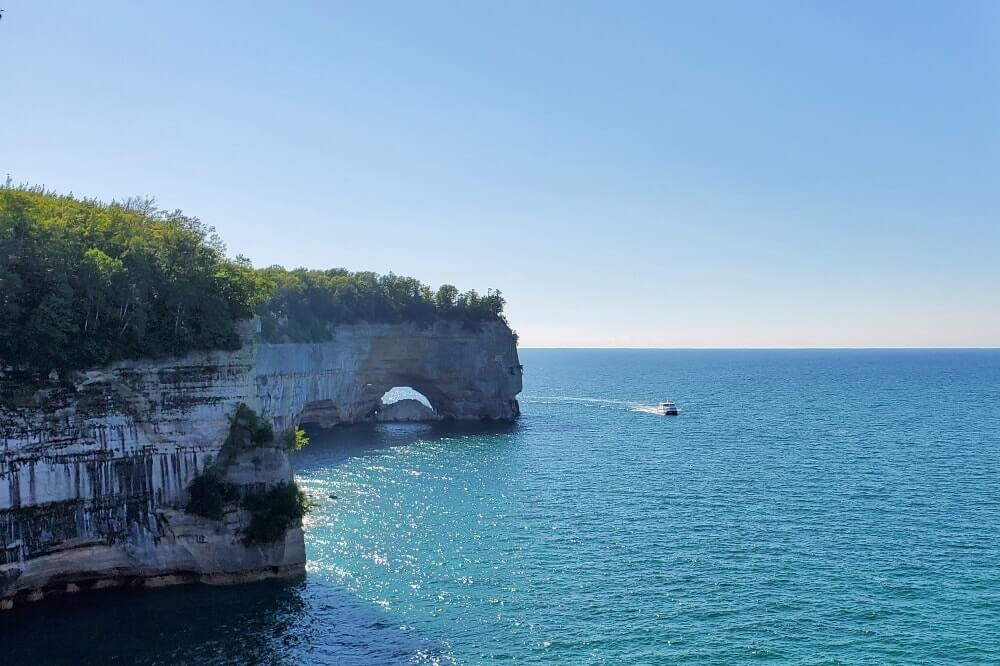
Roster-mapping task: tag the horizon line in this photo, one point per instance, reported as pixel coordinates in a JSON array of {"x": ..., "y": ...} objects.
[{"x": 915, "y": 348}]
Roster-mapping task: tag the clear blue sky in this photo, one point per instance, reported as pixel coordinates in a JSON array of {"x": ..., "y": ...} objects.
[{"x": 698, "y": 174}]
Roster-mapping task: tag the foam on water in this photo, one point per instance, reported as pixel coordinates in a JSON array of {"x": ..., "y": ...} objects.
[
  {"x": 623, "y": 405},
  {"x": 558, "y": 399}
]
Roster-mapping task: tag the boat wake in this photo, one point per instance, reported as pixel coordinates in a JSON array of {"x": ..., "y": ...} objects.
[
  {"x": 625, "y": 405},
  {"x": 555, "y": 399}
]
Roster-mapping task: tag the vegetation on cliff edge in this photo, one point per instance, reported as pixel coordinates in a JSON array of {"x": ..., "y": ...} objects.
[
  {"x": 295, "y": 439},
  {"x": 209, "y": 494},
  {"x": 304, "y": 305},
  {"x": 273, "y": 511},
  {"x": 84, "y": 283}
]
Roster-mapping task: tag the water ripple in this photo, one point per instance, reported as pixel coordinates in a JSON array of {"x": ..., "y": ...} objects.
[{"x": 806, "y": 507}]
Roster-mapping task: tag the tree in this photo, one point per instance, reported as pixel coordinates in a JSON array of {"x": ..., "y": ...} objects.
[
  {"x": 85, "y": 283},
  {"x": 445, "y": 297}
]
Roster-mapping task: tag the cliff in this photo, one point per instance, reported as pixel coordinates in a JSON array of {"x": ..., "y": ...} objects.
[{"x": 95, "y": 466}]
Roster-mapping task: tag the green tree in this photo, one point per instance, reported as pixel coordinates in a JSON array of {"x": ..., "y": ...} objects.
[
  {"x": 445, "y": 298},
  {"x": 85, "y": 283}
]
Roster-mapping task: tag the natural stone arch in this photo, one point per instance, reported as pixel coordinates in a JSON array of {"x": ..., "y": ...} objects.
[{"x": 467, "y": 373}]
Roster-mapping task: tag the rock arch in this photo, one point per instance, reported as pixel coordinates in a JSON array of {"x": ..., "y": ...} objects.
[{"x": 467, "y": 373}]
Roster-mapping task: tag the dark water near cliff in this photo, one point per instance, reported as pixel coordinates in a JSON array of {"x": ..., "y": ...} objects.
[{"x": 807, "y": 506}]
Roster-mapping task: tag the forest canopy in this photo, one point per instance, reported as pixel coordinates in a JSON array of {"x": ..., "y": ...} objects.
[
  {"x": 84, "y": 283},
  {"x": 303, "y": 304}
]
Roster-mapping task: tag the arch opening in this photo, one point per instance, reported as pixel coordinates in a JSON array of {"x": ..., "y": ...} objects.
[
  {"x": 404, "y": 404},
  {"x": 397, "y": 393}
]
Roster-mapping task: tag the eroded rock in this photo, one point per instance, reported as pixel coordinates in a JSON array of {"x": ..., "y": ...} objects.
[
  {"x": 95, "y": 465},
  {"x": 406, "y": 411},
  {"x": 467, "y": 374}
]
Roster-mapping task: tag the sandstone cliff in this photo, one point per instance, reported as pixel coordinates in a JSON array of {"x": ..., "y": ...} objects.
[
  {"x": 95, "y": 465},
  {"x": 466, "y": 374}
]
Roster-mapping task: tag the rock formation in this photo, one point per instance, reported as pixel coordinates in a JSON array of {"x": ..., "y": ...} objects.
[
  {"x": 95, "y": 466},
  {"x": 466, "y": 374},
  {"x": 406, "y": 411}
]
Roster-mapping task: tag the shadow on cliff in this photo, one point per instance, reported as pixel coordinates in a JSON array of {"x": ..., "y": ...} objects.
[
  {"x": 334, "y": 446},
  {"x": 258, "y": 623}
]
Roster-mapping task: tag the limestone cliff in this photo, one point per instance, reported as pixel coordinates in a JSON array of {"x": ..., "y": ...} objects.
[{"x": 95, "y": 465}]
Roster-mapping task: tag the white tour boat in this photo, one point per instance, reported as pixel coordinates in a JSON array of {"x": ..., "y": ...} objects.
[{"x": 667, "y": 408}]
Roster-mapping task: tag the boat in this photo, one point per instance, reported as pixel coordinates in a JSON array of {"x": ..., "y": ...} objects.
[{"x": 667, "y": 408}]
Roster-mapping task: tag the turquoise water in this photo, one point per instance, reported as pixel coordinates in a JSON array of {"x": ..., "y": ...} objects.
[{"x": 806, "y": 507}]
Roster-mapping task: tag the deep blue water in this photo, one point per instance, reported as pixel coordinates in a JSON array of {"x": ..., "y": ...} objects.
[{"x": 806, "y": 507}]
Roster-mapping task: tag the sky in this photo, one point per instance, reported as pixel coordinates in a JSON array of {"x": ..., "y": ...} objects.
[{"x": 629, "y": 174}]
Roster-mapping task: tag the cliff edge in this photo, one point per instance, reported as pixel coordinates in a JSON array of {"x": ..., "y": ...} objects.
[{"x": 96, "y": 466}]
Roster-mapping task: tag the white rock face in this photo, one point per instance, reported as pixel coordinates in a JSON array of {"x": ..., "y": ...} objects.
[
  {"x": 94, "y": 467},
  {"x": 94, "y": 471}
]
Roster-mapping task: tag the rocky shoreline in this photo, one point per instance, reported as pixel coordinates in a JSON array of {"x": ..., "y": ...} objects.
[{"x": 95, "y": 466}]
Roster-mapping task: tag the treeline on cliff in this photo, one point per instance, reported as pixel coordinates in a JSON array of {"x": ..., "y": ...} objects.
[
  {"x": 83, "y": 283},
  {"x": 304, "y": 304}
]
